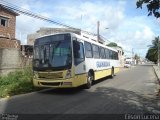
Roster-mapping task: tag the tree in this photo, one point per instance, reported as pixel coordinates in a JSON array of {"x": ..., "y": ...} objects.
[
  {"x": 136, "y": 57},
  {"x": 112, "y": 44},
  {"x": 153, "y": 6},
  {"x": 152, "y": 53}
]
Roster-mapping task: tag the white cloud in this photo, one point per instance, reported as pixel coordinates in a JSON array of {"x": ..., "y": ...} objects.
[
  {"x": 128, "y": 31},
  {"x": 137, "y": 39},
  {"x": 27, "y": 25},
  {"x": 87, "y": 14},
  {"x": 25, "y": 6}
]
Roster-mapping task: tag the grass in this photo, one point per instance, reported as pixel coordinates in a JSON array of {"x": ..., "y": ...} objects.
[{"x": 17, "y": 82}]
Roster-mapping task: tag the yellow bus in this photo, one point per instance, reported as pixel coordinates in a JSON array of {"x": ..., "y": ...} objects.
[{"x": 68, "y": 60}]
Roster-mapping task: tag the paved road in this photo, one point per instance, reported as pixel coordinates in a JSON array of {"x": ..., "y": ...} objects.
[{"x": 131, "y": 91}]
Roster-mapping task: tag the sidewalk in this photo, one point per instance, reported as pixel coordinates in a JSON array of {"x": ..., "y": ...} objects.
[{"x": 157, "y": 72}]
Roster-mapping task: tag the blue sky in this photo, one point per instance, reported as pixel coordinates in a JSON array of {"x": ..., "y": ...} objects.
[{"x": 131, "y": 28}]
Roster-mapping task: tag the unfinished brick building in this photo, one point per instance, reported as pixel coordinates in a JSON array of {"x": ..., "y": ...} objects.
[
  {"x": 7, "y": 22},
  {"x": 9, "y": 46},
  {"x": 7, "y": 28}
]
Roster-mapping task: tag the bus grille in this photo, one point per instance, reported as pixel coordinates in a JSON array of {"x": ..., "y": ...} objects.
[
  {"x": 49, "y": 75},
  {"x": 50, "y": 83}
]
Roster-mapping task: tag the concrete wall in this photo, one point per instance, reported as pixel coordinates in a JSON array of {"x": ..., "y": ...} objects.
[
  {"x": 10, "y": 60},
  {"x": 10, "y": 57}
]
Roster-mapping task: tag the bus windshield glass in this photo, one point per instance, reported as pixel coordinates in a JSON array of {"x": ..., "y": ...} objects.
[{"x": 52, "y": 52}]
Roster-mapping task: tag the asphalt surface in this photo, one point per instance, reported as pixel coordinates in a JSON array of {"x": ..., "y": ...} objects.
[{"x": 131, "y": 91}]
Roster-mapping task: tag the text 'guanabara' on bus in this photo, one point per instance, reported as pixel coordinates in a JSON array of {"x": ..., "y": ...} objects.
[{"x": 68, "y": 60}]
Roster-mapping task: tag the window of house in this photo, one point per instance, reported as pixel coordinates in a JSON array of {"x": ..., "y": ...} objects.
[
  {"x": 4, "y": 21},
  {"x": 88, "y": 49}
]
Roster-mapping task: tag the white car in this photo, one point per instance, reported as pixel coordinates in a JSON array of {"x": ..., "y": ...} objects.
[{"x": 127, "y": 65}]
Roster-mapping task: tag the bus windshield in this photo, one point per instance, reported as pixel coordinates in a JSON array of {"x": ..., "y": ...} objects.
[{"x": 52, "y": 52}]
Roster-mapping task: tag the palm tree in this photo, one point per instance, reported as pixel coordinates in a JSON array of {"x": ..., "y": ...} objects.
[
  {"x": 152, "y": 53},
  {"x": 136, "y": 57}
]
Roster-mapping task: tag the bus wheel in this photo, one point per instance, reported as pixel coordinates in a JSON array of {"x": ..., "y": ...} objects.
[
  {"x": 89, "y": 81},
  {"x": 112, "y": 73}
]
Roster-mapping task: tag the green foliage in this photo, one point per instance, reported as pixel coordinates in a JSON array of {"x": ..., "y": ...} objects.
[
  {"x": 136, "y": 57},
  {"x": 152, "y": 53},
  {"x": 17, "y": 82},
  {"x": 153, "y": 6},
  {"x": 112, "y": 44}
]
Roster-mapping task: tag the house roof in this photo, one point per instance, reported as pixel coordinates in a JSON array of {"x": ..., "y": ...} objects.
[{"x": 9, "y": 10}]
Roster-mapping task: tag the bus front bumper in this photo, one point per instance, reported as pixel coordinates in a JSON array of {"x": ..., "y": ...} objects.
[
  {"x": 54, "y": 83},
  {"x": 62, "y": 83}
]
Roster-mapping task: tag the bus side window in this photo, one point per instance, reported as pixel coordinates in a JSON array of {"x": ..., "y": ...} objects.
[
  {"x": 96, "y": 52},
  {"x": 110, "y": 54},
  {"x": 117, "y": 58},
  {"x": 107, "y": 53},
  {"x": 114, "y": 55},
  {"x": 88, "y": 49},
  {"x": 78, "y": 51},
  {"x": 102, "y": 53}
]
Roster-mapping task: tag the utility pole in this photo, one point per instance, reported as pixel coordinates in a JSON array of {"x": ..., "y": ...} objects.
[
  {"x": 98, "y": 24},
  {"x": 132, "y": 57}
]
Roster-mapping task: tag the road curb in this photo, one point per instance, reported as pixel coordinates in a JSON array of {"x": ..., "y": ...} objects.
[{"x": 29, "y": 93}]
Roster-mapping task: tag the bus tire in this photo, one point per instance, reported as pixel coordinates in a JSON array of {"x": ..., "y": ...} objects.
[
  {"x": 112, "y": 73},
  {"x": 89, "y": 81}
]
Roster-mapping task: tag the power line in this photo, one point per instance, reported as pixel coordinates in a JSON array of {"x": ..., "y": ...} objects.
[
  {"x": 37, "y": 16},
  {"x": 105, "y": 38},
  {"x": 31, "y": 14}
]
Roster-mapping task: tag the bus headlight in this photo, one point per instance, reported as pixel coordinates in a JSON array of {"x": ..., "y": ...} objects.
[
  {"x": 35, "y": 74},
  {"x": 68, "y": 74}
]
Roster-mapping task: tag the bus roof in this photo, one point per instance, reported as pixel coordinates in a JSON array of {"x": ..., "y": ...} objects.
[
  {"x": 88, "y": 38},
  {"x": 92, "y": 40}
]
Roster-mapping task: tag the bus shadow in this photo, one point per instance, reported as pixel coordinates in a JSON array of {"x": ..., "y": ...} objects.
[
  {"x": 62, "y": 91},
  {"x": 70, "y": 91},
  {"x": 103, "y": 79},
  {"x": 103, "y": 100}
]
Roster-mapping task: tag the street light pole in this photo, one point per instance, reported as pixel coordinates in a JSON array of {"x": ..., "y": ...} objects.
[{"x": 132, "y": 56}]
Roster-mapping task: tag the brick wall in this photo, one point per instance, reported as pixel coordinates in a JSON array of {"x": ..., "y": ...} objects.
[
  {"x": 7, "y": 43},
  {"x": 8, "y": 31}
]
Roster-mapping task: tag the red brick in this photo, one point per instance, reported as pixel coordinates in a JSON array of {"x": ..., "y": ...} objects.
[{"x": 10, "y": 30}]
